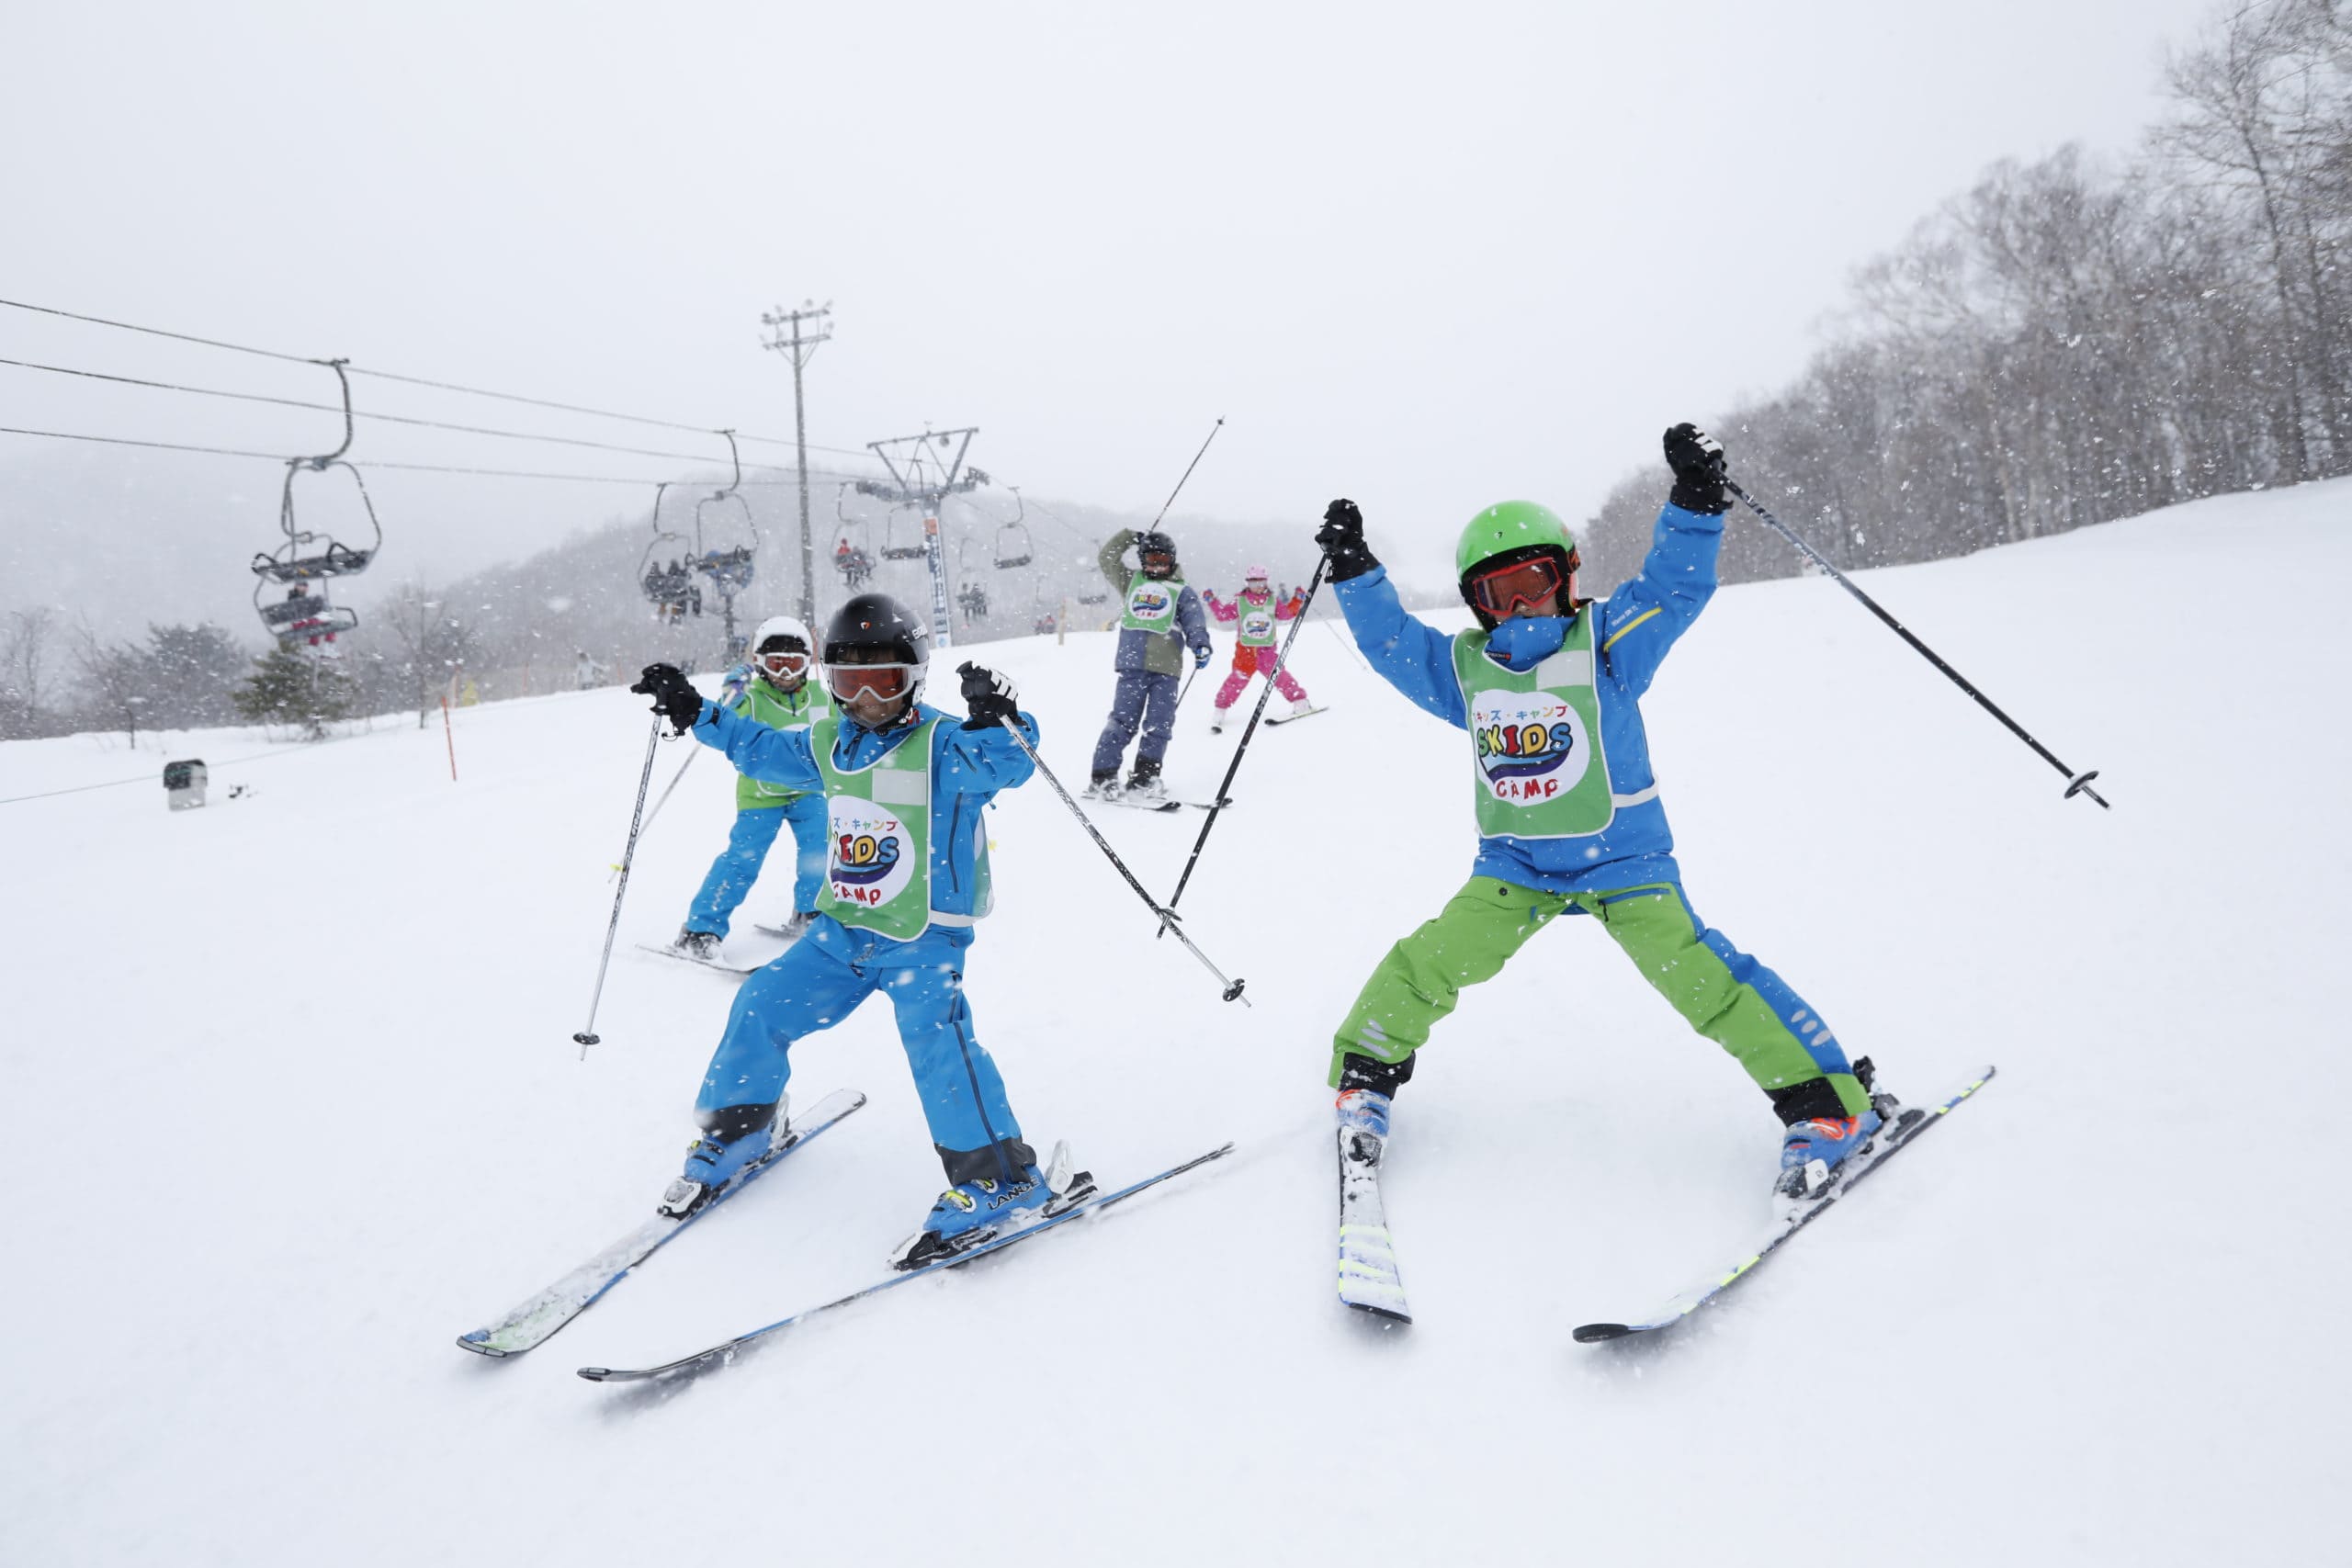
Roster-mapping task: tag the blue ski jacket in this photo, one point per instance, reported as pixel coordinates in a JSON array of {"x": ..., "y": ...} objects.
[
  {"x": 1637, "y": 623},
  {"x": 967, "y": 768}
]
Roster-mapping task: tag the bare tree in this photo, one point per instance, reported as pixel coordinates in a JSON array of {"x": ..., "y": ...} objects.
[
  {"x": 433, "y": 642},
  {"x": 24, "y": 670}
]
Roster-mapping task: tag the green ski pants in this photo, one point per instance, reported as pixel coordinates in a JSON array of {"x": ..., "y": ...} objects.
[{"x": 1720, "y": 991}]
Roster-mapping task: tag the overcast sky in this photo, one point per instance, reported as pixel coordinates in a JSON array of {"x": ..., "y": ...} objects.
[{"x": 1429, "y": 257}]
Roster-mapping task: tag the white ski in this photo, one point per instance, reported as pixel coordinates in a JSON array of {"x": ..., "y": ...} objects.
[{"x": 1369, "y": 1280}]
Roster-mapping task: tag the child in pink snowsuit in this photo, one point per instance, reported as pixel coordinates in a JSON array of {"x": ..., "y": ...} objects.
[{"x": 1253, "y": 648}]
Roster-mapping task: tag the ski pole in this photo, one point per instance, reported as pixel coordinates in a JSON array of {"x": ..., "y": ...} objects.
[
  {"x": 1184, "y": 691},
  {"x": 2076, "y": 783},
  {"x": 588, "y": 1036},
  {"x": 1167, "y": 916},
  {"x": 666, "y": 794},
  {"x": 1188, "y": 473},
  {"x": 1224, "y": 791},
  {"x": 1353, "y": 653}
]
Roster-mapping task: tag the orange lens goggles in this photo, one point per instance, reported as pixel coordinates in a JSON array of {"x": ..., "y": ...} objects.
[
  {"x": 1528, "y": 582},
  {"x": 884, "y": 680}
]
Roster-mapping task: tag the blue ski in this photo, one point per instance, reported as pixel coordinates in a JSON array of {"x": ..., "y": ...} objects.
[
  {"x": 1906, "y": 1126},
  {"x": 724, "y": 1352},
  {"x": 537, "y": 1320}
]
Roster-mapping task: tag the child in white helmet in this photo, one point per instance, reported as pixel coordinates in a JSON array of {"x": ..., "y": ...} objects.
[{"x": 774, "y": 689}]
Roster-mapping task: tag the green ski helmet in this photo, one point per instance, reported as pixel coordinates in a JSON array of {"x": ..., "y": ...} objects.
[{"x": 1510, "y": 531}]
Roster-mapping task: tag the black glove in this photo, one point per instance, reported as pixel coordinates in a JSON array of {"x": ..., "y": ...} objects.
[
  {"x": 989, "y": 696},
  {"x": 674, "y": 698},
  {"x": 1697, "y": 459},
  {"x": 1341, "y": 537}
]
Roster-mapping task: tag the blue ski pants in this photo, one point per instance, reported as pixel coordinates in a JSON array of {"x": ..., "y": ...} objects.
[
  {"x": 821, "y": 981},
  {"x": 1149, "y": 700},
  {"x": 738, "y": 865}
]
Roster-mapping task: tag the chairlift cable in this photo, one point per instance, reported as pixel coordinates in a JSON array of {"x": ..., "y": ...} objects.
[
  {"x": 387, "y": 418},
  {"x": 378, "y": 463},
  {"x": 411, "y": 381}
]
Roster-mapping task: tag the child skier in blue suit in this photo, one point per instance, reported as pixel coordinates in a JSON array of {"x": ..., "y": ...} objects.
[
  {"x": 906, "y": 881},
  {"x": 774, "y": 689}
]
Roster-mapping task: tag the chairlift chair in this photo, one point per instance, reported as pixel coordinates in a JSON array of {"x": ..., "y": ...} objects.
[
  {"x": 1013, "y": 547},
  {"x": 297, "y": 616},
  {"x": 893, "y": 548},
  {"x": 1013, "y": 554},
  {"x": 312, "y": 553},
  {"x": 728, "y": 565},
  {"x": 722, "y": 552}
]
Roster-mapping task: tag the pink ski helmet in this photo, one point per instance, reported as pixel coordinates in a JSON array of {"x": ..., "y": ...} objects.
[{"x": 1254, "y": 574}]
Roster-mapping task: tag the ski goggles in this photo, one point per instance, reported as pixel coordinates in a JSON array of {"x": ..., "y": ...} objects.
[
  {"x": 1500, "y": 589},
  {"x": 846, "y": 682},
  {"x": 782, "y": 664}
]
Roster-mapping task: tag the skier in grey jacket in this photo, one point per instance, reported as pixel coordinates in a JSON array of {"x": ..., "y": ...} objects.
[{"x": 1160, "y": 619}]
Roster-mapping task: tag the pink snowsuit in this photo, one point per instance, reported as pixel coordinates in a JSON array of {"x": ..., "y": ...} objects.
[{"x": 1258, "y": 661}]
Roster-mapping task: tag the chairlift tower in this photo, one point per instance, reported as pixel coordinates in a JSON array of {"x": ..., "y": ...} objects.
[
  {"x": 922, "y": 474},
  {"x": 801, "y": 348}
]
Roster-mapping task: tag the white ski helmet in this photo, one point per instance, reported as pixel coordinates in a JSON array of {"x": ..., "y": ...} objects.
[{"x": 783, "y": 627}]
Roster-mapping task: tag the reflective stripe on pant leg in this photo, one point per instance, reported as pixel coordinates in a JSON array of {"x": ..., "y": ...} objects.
[
  {"x": 806, "y": 990},
  {"x": 807, "y": 816},
  {"x": 1724, "y": 994},
  {"x": 1126, "y": 712},
  {"x": 1422, "y": 977},
  {"x": 962, "y": 1092},
  {"x": 737, "y": 867}
]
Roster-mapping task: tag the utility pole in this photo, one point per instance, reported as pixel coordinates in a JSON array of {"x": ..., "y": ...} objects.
[
  {"x": 921, "y": 475},
  {"x": 801, "y": 346}
]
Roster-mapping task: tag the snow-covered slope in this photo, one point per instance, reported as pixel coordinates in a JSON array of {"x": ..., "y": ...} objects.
[{"x": 287, "y": 1099}]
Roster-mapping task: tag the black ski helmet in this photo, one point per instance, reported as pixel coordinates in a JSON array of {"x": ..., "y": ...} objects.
[
  {"x": 1152, "y": 542},
  {"x": 876, "y": 623}
]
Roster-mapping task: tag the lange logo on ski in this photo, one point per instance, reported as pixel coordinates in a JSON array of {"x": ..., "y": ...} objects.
[{"x": 1532, "y": 746}]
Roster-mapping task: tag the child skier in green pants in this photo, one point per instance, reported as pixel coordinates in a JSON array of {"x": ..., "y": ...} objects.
[{"x": 1569, "y": 820}]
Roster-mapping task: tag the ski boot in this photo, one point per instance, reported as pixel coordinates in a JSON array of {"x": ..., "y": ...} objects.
[
  {"x": 1813, "y": 1155},
  {"x": 972, "y": 1212},
  {"x": 798, "y": 927},
  {"x": 1217, "y": 720},
  {"x": 733, "y": 1137},
  {"x": 700, "y": 946},
  {"x": 1300, "y": 709},
  {"x": 1104, "y": 787},
  {"x": 1144, "y": 781}
]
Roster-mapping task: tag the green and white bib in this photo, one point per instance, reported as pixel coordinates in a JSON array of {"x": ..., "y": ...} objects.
[
  {"x": 1257, "y": 623},
  {"x": 878, "y": 859},
  {"x": 777, "y": 710},
  {"x": 1151, "y": 603},
  {"x": 1535, "y": 739}
]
